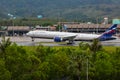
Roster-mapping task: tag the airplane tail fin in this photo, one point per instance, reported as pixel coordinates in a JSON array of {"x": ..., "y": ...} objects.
[{"x": 108, "y": 33}]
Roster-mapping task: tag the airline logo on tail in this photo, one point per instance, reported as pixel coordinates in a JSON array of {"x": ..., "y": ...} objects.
[
  {"x": 112, "y": 27},
  {"x": 108, "y": 33}
]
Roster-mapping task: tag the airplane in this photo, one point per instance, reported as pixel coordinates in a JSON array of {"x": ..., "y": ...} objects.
[{"x": 71, "y": 37}]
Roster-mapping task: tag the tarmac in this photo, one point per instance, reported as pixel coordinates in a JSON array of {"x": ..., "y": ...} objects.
[{"x": 27, "y": 41}]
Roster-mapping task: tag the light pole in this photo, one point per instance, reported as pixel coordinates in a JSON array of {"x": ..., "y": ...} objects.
[
  {"x": 97, "y": 22},
  {"x": 12, "y": 17},
  {"x": 87, "y": 69},
  {"x": 13, "y": 23}
]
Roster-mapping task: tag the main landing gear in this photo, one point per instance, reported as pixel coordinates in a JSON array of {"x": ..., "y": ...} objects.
[
  {"x": 33, "y": 39},
  {"x": 71, "y": 41}
]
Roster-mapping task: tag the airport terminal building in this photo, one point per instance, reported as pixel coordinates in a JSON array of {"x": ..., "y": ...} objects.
[
  {"x": 17, "y": 30},
  {"x": 85, "y": 27},
  {"x": 66, "y": 26}
]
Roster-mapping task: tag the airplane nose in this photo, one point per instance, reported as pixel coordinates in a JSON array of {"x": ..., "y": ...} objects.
[{"x": 27, "y": 34}]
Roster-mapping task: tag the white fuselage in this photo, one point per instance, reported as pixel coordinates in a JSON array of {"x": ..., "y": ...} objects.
[
  {"x": 52, "y": 34},
  {"x": 86, "y": 36}
]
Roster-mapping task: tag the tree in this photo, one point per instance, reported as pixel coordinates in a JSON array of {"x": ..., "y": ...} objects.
[
  {"x": 83, "y": 45},
  {"x": 77, "y": 66},
  {"x": 115, "y": 59},
  {"x": 58, "y": 64},
  {"x": 4, "y": 73},
  {"x": 5, "y": 43},
  {"x": 95, "y": 46},
  {"x": 103, "y": 66},
  {"x": 18, "y": 63}
]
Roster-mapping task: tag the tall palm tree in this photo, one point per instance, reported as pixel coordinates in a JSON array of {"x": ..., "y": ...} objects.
[
  {"x": 3, "y": 45},
  {"x": 95, "y": 46}
]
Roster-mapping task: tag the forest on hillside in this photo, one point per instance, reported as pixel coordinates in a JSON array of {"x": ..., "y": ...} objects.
[{"x": 57, "y": 9}]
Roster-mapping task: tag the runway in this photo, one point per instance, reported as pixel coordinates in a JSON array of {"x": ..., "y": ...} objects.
[{"x": 26, "y": 41}]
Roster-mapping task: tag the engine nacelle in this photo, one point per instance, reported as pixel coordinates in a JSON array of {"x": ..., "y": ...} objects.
[{"x": 58, "y": 39}]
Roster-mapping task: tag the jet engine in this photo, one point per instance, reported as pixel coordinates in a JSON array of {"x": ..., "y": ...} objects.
[{"x": 58, "y": 39}]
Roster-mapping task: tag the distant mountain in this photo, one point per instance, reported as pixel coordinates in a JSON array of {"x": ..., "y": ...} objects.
[{"x": 61, "y": 9}]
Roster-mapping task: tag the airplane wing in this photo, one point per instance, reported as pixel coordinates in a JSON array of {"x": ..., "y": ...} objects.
[{"x": 64, "y": 38}]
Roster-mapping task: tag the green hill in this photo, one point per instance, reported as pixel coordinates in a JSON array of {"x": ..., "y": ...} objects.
[{"x": 58, "y": 9}]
